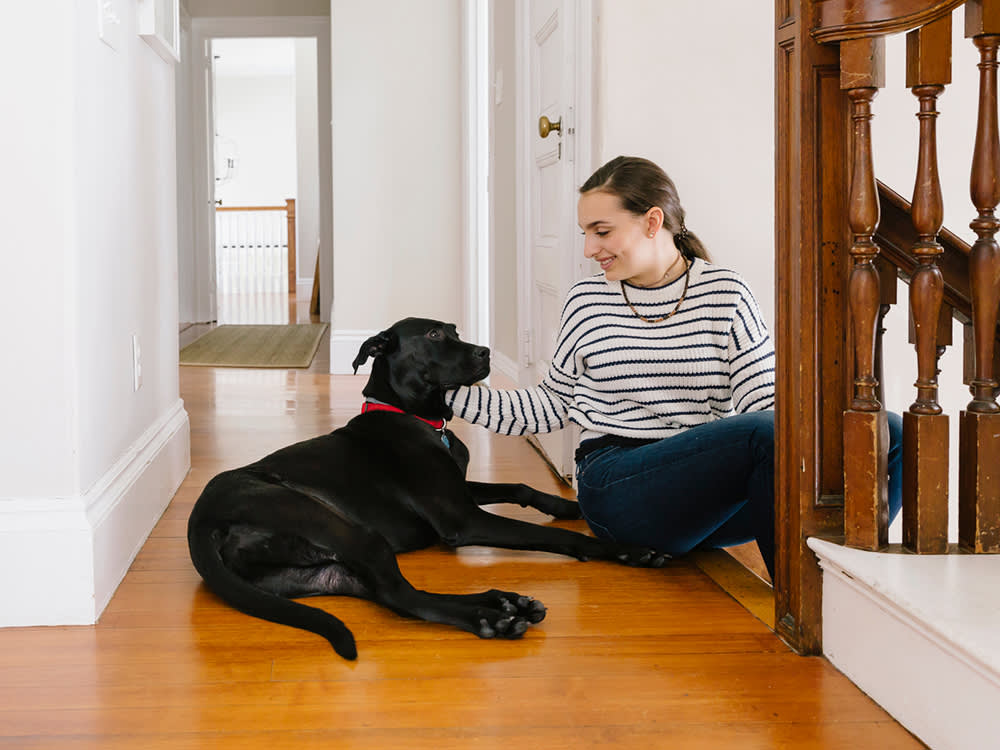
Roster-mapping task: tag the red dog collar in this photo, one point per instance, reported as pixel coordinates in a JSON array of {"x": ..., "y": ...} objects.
[{"x": 367, "y": 406}]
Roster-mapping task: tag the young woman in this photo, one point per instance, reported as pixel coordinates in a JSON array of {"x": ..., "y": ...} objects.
[{"x": 665, "y": 363}]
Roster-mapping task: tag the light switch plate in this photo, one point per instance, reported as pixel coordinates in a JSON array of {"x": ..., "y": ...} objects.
[{"x": 109, "y": 22}]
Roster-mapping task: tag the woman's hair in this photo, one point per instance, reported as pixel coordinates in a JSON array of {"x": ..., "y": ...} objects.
[{"x": 640, "y": 185}]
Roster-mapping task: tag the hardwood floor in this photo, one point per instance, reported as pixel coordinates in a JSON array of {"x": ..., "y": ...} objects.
[{"x": 625, "y": 659}]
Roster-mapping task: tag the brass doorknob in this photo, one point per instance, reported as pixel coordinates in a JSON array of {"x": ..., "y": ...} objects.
[{"x": 546, "y": 126}]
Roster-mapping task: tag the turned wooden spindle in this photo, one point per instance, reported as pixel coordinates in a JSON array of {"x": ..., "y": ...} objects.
[
  {"x": 863, "y": 284},
  {"x": 925, "y": 428},
  {"x": 984, "y": 259},
  {"x": 862, "y": 73},
  {"x": 979, "y": 428}
]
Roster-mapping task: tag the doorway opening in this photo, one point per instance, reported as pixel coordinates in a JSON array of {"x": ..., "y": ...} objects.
[
  {"x": 266, "y": 178},
  {"x": 273, "y": 75}
]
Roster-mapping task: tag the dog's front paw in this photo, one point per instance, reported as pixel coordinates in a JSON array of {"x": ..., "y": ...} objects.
[
  {"x": 642, "y": 557},
  {"x": 515, "y": 614}
]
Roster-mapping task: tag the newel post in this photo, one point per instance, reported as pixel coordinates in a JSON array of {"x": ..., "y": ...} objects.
[
  {"x": 866, "y": 432},
  {"x": 290, "y": 214},
  {"x": 979, "y": 431},
  {"x": 925, "y": 427}
]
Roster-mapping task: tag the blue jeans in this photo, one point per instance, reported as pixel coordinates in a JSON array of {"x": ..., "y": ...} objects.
[{"x": 711, "y": 485}]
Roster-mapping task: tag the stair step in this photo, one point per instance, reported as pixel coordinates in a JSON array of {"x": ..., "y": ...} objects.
[{"x": 920, "y": 634}]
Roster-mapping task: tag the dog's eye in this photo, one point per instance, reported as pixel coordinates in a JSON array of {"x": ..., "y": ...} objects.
[{"x": 434, "y": 333}]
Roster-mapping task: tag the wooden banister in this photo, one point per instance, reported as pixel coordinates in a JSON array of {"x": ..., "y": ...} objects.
[
  {"x": 223, "y": 209},
  {"x": 842, "y": 241},
  {"x": 841, "y": 20}
]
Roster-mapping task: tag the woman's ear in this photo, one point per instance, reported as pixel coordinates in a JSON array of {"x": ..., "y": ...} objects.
[{"x": 653, "y": 220}]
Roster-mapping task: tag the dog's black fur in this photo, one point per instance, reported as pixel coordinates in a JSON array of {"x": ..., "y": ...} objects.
[{"x": 328, "y": 515}]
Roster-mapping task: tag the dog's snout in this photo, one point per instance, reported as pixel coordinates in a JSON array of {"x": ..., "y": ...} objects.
[{"x": 481, "y": 352}]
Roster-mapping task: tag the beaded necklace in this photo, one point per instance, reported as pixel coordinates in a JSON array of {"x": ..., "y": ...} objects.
[{"x": 687, "y": 279}]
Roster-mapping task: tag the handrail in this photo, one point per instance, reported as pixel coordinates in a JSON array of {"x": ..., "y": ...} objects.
[
  {"x": 896, "y": 233},
  {"x": 841, "y": 20},
  {"x": 251, "y": 208}
]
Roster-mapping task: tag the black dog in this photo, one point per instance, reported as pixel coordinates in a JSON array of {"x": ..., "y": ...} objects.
[{"x": 328, "y": 515}]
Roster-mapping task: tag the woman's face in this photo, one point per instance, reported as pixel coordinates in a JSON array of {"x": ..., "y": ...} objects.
[{"x": 618, "y": 239}]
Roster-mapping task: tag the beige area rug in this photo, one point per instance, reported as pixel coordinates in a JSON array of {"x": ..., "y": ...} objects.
[{"x": 255, "y": 346}]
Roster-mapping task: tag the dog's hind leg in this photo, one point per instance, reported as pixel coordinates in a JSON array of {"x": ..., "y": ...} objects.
[
  {"x": 489, "y": 614},
  {"x": 314, "y": 551},
  {"x": 205, "y": 544},
  {"x": 485, "y": 493}
]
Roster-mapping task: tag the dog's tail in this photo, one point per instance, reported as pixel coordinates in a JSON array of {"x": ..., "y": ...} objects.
[{"x": 203, "y": 542}]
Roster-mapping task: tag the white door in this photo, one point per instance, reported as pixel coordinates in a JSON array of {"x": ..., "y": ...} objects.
[
  {"x": 552, "y": 257},
  {"x": 204, "y": 209}
]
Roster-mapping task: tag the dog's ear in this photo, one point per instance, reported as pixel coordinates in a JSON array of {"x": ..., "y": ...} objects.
[{"x": 378, "y": 345}]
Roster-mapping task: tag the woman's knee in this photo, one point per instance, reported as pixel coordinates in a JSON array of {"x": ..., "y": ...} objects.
[{"x": 762, "y": 437}]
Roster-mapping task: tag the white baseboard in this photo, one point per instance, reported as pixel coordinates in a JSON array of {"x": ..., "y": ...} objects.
[
  {"x": 62, "y": 559},
  {"x": 918, "y": 634},
  {"x": 344, "y": 347}
]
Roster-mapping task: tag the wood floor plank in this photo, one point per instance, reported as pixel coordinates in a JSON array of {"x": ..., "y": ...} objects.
[
  {"x": 625, "y": 658},
  {"x": 662, "y": 735}
]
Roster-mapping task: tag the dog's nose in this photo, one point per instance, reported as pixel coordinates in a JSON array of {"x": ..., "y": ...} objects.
[{"x": 481, "y": 352}]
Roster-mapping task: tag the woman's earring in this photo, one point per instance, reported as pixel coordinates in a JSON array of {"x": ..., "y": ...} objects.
[{"x": 651, "y": 235}]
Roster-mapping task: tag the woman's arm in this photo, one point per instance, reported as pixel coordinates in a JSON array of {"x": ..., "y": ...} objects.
[
  {"x": 751, "y": 359},
  {"x": 515, "y": 412}
]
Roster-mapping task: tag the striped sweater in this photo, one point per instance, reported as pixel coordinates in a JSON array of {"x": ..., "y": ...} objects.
[{"x": 614, "y": 374}]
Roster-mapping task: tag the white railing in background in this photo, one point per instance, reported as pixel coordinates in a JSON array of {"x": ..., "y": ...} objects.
[{"x": 255, "y": 249}]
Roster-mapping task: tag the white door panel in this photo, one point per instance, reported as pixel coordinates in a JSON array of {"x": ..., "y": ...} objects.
[{"x": 552, "y": 244}]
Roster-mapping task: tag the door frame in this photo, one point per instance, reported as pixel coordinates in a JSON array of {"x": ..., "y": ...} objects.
[
  {"x": 203, "y": 29},
  {"x": 578, "y": 144},
  {"x": 476, "y": 297}
]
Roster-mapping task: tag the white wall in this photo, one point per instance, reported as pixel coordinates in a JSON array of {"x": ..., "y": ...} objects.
[
  {"x": 668, "y": 91},
  {"x": 396, "y": 166},
  {"x": 257, "y": 113},
  {"x": 88, "y": 196}
]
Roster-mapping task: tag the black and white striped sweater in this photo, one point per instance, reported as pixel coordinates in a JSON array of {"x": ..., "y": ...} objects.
[{"x": 614, "y": 374}]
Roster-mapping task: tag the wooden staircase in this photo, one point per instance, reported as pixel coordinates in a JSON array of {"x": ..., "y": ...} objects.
[{"x": 906, "y": 623}]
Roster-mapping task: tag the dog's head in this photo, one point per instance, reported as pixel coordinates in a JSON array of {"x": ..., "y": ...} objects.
[{"x": 416, "y": 360}]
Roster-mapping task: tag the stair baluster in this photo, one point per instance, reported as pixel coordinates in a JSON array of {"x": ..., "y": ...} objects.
[
  {"x": 862, "y": 73},
  {"x": 979, "y": 432},
  {"x": 925, "y": 427}
]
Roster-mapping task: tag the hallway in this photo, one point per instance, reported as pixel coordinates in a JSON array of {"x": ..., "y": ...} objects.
[{"x": 626, "y": 658}]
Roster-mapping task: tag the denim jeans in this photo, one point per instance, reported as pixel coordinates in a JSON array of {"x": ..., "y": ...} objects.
[{"x": 711, "y": 485}]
